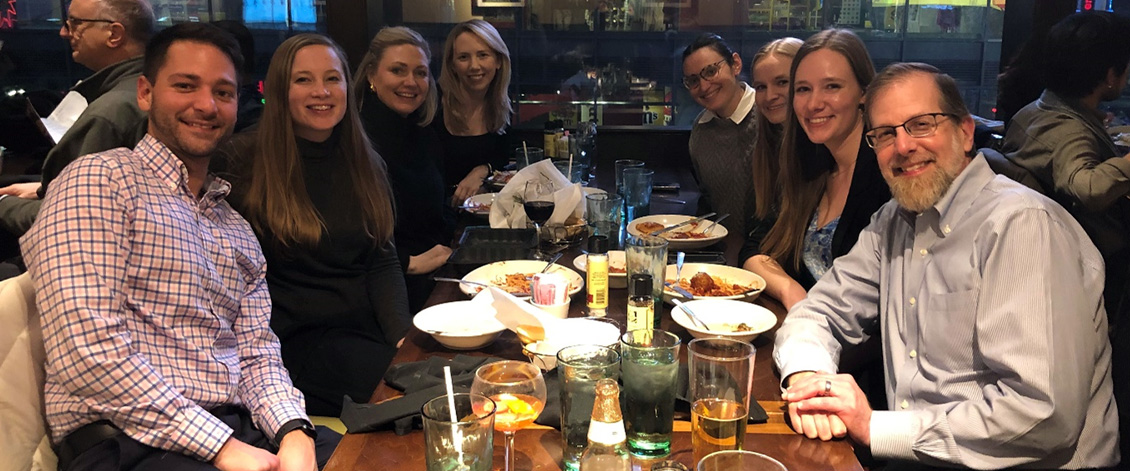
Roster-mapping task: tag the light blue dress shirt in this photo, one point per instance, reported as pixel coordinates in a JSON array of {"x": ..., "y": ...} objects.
[{"x": 994, "y": 333}]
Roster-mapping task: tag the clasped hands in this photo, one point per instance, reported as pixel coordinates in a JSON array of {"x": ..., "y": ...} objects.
[{"x": 828, "y": 406}]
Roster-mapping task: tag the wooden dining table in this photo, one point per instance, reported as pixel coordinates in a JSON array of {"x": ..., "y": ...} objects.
[{"x": 540, "y": 448}]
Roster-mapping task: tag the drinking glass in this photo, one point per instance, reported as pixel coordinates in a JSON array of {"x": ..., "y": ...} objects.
[
  {"x": 721, "y": 378},
  {"x": 620, "y": 166},
  {"x": 602, "y": 211},
  {"x": 649, "y": 366},
  {"x": 467, "y": 444},
  {"x": 648, "y": 254},
  {"x": 575, "y": 173},
  {"x": 524, "y": 157},
  {"x": 537, "y": 200},
  {"x": 739, "y": 460},
  {"x": 579, "y": 368},
  {"x": 518, "y": 390},
  {"x": 637, "y": 192}
]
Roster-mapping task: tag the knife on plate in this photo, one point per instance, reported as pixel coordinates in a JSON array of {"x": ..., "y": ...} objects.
[
  {"x": 683, "y": 224},
  {"x": 678, "y": 289}
]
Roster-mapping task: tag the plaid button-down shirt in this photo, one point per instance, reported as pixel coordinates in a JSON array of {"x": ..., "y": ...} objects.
[{"x": 154, "y": 305}]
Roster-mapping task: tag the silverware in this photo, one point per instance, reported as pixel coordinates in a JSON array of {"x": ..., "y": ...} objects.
[
  {"x": 678, "y": 289},
  {"x": 552, "y": 261},
  {"x": 715, "y": 223},
  {"x": 682, "y": 224},
  {"x": 679, "y": 264},
  {"x": 474, "y": 283},
  {"x": 690, "y": 314}
]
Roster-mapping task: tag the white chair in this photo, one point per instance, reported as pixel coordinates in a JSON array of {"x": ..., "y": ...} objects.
[{"x": 24, "y": 443}]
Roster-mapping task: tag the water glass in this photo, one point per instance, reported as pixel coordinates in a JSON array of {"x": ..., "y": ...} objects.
[
  {"x": 721, "y": 378},
  {"x": 647, "y": 254},
  {"x": 620, "y": 166},
  {"x": 649, "y": 366},
  {"x": 579, "y": 368},
  {"x": 637, "y": 192},
  {"x": 575, "y": 174},
  {"x": 739, "y": 460},
  {"x": 602, "y": 211},
  {"x": 525, "y": 156},
  {"x": 468, "y": 443}
]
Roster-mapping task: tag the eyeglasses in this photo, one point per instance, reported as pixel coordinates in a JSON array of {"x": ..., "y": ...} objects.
[
  {"x": 707, "y": 73},
  {"x": 922, "y": 125},
  {"x": 72, "y": 23}
]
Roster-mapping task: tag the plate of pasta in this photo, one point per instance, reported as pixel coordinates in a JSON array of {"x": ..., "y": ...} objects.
[
  {"x": 692, "y": 236},
  {"x": 513, "y": 276},
  {"x": 710, "y": 281}
]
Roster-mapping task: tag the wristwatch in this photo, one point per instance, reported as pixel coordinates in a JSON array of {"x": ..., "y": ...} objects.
[{"x": 295, "y": 424}]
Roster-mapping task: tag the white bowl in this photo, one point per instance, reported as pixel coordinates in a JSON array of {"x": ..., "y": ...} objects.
[
  {"x": 497, "y": 271},
  {"x": 460, "y": 325},
  {"x": 726, "y": 273},
  {"x": 616, "y": 259},
  {"x": 722, "y": 316},
  {"x": 569, "y": 332},
  {"x": 479, "y": 204},
  {"x": 673, "y": 241}
]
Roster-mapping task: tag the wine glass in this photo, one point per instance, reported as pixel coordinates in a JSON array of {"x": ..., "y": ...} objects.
[
  {"x": 537, "y": 200},
  {"x": 518, "y": 389}
]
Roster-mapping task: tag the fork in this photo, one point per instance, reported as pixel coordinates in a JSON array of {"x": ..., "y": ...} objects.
[{"x": 715, "y": 223}]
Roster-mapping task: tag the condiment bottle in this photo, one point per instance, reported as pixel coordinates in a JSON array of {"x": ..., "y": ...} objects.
[
  {"x": 596, "y": 276},
  {"x": 641, "y": 308},
  {"x": 607, "y": 449}
]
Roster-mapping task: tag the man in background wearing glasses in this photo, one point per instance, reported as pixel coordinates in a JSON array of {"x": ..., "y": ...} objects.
[
  {"x": 988, "y": 296},
  {"x": 108, "y": 37}
]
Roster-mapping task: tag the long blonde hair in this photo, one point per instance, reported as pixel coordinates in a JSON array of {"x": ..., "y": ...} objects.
[
  {"x": 387, "y": 37},
  {"x": 277, "y": 200},
  {"x": 767, "y": 147},
  {"x": 497, "y": 100},
  {"x": 802, "y": 182}
]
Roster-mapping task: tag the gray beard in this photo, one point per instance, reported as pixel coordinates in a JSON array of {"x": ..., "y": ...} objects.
[{"x": 920, "y": 194}]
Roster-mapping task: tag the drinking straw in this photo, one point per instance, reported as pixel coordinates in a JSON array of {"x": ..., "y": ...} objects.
[
  {"x": 456, "y": 434},
  {"x": 526, "y": 152},
  {"x": 569, "y": 171}
]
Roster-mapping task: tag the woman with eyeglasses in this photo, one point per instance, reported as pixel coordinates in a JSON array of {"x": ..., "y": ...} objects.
[
  {"x": 723, "y": 136},
  {"x": 770, "y": 72},
  {"x": 829, "y": 177},
  {"x": 319, "y": 200},
  {"x": 476, "y": 108},
  {"x": 397, "y": 101}
]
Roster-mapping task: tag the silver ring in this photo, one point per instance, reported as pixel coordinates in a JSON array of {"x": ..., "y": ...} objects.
[{"x": 827, "y": 387}]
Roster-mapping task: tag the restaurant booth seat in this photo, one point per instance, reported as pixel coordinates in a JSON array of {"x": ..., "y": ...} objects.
[
  {"x": 1002, "y": 166},
  {"x": 24, "y": 443}
]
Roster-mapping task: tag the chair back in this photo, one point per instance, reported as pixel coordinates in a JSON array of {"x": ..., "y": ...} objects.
[
  {"x": 24, "y": 443},
  {"x": 1002, "y": 166}
]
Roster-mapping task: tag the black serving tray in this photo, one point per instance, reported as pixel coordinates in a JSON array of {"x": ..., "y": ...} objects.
[
  {"x": 697, "y": 257},
  {"x": 481, "y": 245}
]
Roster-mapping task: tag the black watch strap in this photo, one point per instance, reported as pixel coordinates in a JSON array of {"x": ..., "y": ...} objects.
[{"x": 295, "y": 424}]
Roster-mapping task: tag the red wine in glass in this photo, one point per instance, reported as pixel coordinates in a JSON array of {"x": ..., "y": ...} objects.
[{"x": 538, "y": 211}]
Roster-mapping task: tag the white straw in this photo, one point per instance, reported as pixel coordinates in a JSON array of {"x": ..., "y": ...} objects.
[
  {"x": 526, "y": 152},
  {"x": 570, "y": 170},
  {"x": 456, "y": 434}
]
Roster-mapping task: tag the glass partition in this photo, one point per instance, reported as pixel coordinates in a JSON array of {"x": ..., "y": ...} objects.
[{"x": 619, "y": 61}]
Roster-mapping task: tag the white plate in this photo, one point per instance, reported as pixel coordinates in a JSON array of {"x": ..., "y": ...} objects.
[
  {"x": 616, "y": 259},
  {"x": 500, "y": 178},
  {"x": 721, "y": 313},
  {"x": 475, "y": 204},
  {"x": 497, "y": 271},
  {"x": 718, "y": 233},
  {"x": 460, "y": 325},
  {"x": 727, "y": 273}
]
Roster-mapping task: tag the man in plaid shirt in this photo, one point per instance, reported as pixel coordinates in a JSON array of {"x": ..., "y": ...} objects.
[{"x": 152, "y": 294}]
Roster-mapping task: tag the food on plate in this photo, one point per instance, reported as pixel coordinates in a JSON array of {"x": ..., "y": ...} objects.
[
  {"x": 649, "y": 227},
  {"x": 501, "y": 178},
  {"x": 616, "y": 269},
  {"x": 517, "y": 284},
  {"x": 704, "y": 284},
  {"x": 478, "y": 207},
  {"x": 743, "y": 327},
  {"x": 685, "y": 235}
]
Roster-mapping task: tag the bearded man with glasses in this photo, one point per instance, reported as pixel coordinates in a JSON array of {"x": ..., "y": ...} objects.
[
  {"x": 988, "y": 298},
  {"x": 108, "y": 37}
]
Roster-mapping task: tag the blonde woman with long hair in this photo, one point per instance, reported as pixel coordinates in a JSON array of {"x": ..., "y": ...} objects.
[
  {"x": 319, "y": 200},
  {"x": 476, "y": 109},
  {"x": 398, "y": 101}
]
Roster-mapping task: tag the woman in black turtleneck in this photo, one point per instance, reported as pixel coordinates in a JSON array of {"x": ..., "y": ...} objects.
[
  {"x": 398, "y": 101},
  {"x": 319, "y": 200}
]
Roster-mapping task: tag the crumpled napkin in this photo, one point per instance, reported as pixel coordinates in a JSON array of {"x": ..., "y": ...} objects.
[{"x": 507, "y": 212}]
